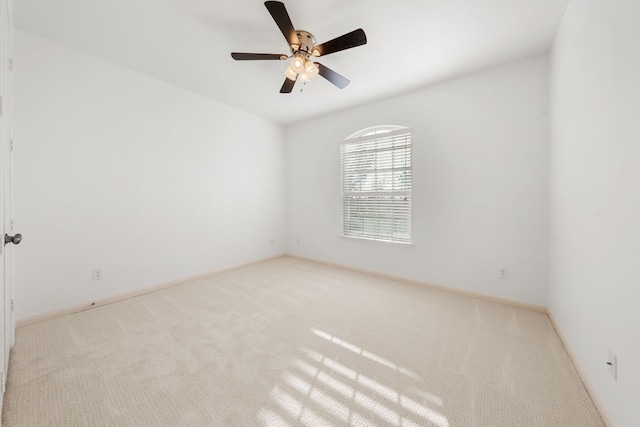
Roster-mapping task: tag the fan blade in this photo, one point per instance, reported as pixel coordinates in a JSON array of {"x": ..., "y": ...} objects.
[
  {"x": 332, "y": 76},
  {"x": 287, "y": 86},
  {"x": 259, "y": 56},
  {"x": 279, "y": 14},
  {"x": 346, "y": 41}
]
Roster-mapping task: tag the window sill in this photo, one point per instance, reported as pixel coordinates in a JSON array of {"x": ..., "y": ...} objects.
[{"x": 385, "y": 242}]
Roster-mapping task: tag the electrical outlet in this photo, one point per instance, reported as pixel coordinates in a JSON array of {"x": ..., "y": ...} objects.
[
  {"x": 612, "y": 364},
  {"x": 503, "y": 273},
  {"x": 97, "y": 274},
  {"x": 272, "y": 241}
]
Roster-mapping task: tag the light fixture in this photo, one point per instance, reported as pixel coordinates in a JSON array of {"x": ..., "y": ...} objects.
[
  {"x": 290, "y": 74},
  {"x": 311, "y": 69},
  {"x": 302, "y": 68},
  {"x": 297, "y": 65},
  {"x": 304, "y": 77}
]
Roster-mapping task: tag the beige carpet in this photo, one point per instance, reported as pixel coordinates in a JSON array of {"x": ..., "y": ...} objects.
[{"x": 288, "y": 343}]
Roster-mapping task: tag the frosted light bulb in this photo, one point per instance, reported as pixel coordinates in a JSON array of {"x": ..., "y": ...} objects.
[
  {"x": 297, "y": 65},
  {"x": 290, "y": 74},
  {"x": 311, "y": 69}
]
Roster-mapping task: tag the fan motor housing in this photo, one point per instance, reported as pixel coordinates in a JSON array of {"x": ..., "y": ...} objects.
[{"x": 307, "y": 42}]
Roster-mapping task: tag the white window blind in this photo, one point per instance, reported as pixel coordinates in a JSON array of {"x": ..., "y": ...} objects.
[{"x": 376, "y": 186}]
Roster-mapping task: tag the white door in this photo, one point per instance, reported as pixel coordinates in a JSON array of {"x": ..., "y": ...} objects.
[
  {"x": 6, "y": 305},
  {"x": 8, "y": 186}
]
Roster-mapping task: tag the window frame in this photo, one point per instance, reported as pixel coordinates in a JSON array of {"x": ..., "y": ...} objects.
[{"x": 385, "y": 197}]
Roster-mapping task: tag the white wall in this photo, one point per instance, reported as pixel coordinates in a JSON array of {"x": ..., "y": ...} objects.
[
  {"x": 147, "y": 181},
  {"x": 595, "y": 195},
  {"x": 480, "y": 184}
]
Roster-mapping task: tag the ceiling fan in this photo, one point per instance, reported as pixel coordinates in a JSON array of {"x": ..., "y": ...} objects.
[{"x": 303, "y": 46}]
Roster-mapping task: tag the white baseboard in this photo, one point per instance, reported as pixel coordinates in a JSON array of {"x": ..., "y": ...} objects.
[
  {"x": 120, "y": 297},
  {"x": 582, "y": 374},
  {"x": 513, "y": 303}
]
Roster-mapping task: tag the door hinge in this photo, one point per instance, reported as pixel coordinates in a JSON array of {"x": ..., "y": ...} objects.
[
  {"x": 10, "y": 64},
  {"x": 11, "y": 145},
  {"x": 11, "y": 308}
]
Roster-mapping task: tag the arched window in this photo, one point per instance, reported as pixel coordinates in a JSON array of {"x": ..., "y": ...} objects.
[{"x": 375, "y": 179}]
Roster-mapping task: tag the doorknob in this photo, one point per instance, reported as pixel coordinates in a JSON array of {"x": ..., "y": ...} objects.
[{"x": 13, "y": 239}]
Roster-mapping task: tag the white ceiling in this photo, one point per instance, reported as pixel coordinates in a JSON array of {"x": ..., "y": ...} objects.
[{"x": 411, "y": 43}]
